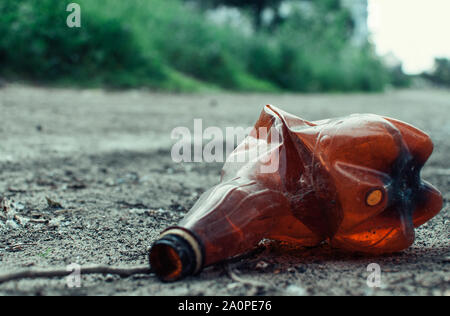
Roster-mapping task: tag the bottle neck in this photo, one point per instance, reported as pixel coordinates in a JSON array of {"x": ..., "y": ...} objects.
[{"x": 236, "y": 217}]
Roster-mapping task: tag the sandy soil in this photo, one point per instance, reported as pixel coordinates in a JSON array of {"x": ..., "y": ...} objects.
[{"x": 105, "y": 156}]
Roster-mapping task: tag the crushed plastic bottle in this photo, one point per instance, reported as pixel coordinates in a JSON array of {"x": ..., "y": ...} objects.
[{"x": 352, "y": 181}]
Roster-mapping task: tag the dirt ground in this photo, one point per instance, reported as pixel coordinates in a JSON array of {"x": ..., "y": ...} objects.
[{"x": 105, "y": 157}]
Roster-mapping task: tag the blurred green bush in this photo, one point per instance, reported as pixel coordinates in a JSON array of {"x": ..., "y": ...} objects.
[
  {"x": 440, "y": 75},
  {"x": 166, "y": 45}
]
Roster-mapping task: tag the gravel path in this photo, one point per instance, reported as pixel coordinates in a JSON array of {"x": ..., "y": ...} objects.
[{"x": 105, "y": 157}]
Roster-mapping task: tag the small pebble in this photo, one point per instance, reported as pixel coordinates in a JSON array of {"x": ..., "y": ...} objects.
[
  {"x": 295, "y": 290},
  {"x": 12, "y": 224},
  {"x": 261, "y": 265},
  {"x": 109, "y": 278}
]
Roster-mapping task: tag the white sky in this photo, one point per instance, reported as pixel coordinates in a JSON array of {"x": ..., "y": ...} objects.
[{"x": 415, "y": 31}]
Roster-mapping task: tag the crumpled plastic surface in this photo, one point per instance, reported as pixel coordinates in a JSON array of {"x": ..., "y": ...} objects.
[{"x": 352, "y": 181}]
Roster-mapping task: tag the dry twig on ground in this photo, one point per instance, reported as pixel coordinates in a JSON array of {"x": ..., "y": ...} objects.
[{"x": 52, "y": 273}]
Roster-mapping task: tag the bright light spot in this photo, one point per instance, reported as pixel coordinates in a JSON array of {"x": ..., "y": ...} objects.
[{"x": 415, "y": 31}]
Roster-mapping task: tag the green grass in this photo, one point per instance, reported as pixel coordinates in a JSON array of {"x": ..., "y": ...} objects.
[{"x": 165, "y": 46}]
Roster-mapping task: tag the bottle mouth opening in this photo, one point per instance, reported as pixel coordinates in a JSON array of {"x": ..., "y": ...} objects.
[
  {"x": 166, "y": 262},
  {"x": 175, "y": 255}
]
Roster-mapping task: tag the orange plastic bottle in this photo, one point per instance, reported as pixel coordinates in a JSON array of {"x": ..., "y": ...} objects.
[{"x": 352, "y": 181}]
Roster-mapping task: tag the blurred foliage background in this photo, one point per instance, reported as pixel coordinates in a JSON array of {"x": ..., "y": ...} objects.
[
  {"x": 173, "y": 45},
  {"x": 440, "y": 75}
]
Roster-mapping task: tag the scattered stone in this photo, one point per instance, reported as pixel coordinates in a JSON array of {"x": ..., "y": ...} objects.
[
  {"x": 109, "y": 278},
  {"x": 261, "y": 265},
  {"x": 9, "y": 214},
  {"x": 295, "y": 290},
  {"x": 110, "y": 182},
  {"x": 5, "y": 207},
  {"x": 12, "y": 224},
  {"x": 233, "y": 285},
  {"x": 54, "y": 222},
  {"x": 138, "y": 211},
  {"x": 53, "y": 204}
]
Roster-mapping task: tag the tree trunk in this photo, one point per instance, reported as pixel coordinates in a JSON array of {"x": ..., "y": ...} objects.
[{"x": 259, "y": 9}]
